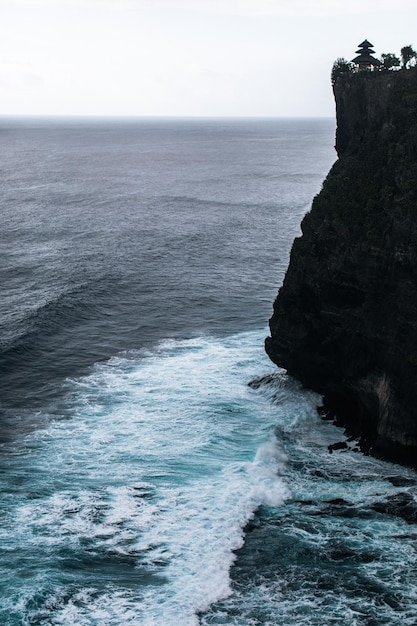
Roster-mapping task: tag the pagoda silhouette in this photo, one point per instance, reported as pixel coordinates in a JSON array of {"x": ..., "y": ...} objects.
[{"x": 365, "y": 60}]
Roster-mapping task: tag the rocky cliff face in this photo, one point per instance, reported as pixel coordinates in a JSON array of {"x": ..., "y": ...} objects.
[{"x": 345, "y": 319}]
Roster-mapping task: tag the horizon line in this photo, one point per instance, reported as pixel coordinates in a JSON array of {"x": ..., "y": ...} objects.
[{"x": 103, "y": 117}]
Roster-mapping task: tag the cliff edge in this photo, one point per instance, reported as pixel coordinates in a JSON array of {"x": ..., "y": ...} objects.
[{"x": 345, "y": 318}]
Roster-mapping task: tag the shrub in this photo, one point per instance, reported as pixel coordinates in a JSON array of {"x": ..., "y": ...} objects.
[{"x": 341, "y": 67}]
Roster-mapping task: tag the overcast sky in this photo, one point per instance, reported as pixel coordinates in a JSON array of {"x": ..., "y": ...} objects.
[{"x": 187, "y": 57}]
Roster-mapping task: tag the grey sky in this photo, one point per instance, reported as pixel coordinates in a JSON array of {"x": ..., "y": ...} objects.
[{"x": 186, "y": 57}]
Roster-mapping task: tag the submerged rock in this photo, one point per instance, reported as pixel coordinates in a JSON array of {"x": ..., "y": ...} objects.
[
  {"x": 339, "y": 445},
  {"x": 401, "y": 505},
  {"x": 345, "y": 319}
]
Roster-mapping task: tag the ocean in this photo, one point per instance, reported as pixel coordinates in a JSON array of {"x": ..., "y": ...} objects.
[{"x": 156, "y": 468}]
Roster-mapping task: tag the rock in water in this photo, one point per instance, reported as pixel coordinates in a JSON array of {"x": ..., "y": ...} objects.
[{"x": 345, "y": 318}]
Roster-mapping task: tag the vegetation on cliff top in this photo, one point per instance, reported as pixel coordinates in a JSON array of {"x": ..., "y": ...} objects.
[{"x": 389, "y": 62}]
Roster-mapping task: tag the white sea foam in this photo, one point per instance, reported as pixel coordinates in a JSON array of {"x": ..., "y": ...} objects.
[
  {"x": 139, "y": 498},
  {"x": 164, "y": 459},
  {"x": 146, "y": 486}
]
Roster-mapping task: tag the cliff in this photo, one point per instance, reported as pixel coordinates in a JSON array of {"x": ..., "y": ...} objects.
[{"x": 345, "y": 318}]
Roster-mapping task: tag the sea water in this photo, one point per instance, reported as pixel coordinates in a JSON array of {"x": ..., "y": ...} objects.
[{"x": 144, "y": 481}]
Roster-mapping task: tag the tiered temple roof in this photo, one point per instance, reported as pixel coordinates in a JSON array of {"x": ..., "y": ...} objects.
[{"x": 365, "y": 60}]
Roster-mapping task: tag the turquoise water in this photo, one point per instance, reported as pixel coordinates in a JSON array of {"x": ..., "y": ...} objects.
[
  {"x": 144, "y": 481},
  {"x": 128, "y": 508},
  {"x": 133, "y": 506}
]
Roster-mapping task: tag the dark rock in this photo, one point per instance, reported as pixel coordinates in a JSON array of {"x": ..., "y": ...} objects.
[
  {"x": 325, "y": 414},
  {"x": 259, "y": 381},
  {"x": 340, "y": 445},
  {"x": 401, "y": 481},
  {"x": 345, "y": 319},
  {"x": 339, "y": 502},
  {"x": 401, "y": 505},
  {"x": 339, "y": 552}
]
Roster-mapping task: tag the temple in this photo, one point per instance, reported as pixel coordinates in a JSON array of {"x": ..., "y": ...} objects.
[{"x": 365, "y": 60}]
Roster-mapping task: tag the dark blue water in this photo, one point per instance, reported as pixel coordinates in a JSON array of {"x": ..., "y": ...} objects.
[{"x": 143, "y": 481}]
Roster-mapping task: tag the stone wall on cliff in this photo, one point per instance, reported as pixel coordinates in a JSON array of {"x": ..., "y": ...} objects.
[{"x": 345, "y": 318}]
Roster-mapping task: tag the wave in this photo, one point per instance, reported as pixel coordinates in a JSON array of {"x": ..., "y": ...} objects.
[
  {"x": 148, "y": 480},
  {"x": 201, "y": 204},
  {"x": 47, "y": 343}
]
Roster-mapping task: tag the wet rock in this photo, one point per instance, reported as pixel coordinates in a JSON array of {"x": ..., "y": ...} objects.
[
  {"x": 345, "y": 318},
  {"x": 401, "y": 505},
  {"x": 340, "y": 552},
  {"x": 340, "y": 445},
  {"x": 339, "y": 502},
  {"x": 262, "y": 380},
  {"x": 401, "y": 481}
]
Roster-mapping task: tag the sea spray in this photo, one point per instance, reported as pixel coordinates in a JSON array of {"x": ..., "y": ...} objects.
[
  {"x": 341, "y": 550},
  {"x": 141, "y": 492}
]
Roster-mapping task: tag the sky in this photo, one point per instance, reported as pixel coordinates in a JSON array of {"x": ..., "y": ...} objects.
[{"x": 257, "y": 58}]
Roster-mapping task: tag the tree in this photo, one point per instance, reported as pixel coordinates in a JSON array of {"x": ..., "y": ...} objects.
[
  {"x": 408, "y": 57},
  {"x": 389, "y": 61},
  {"x": 341, "y": 67}
]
